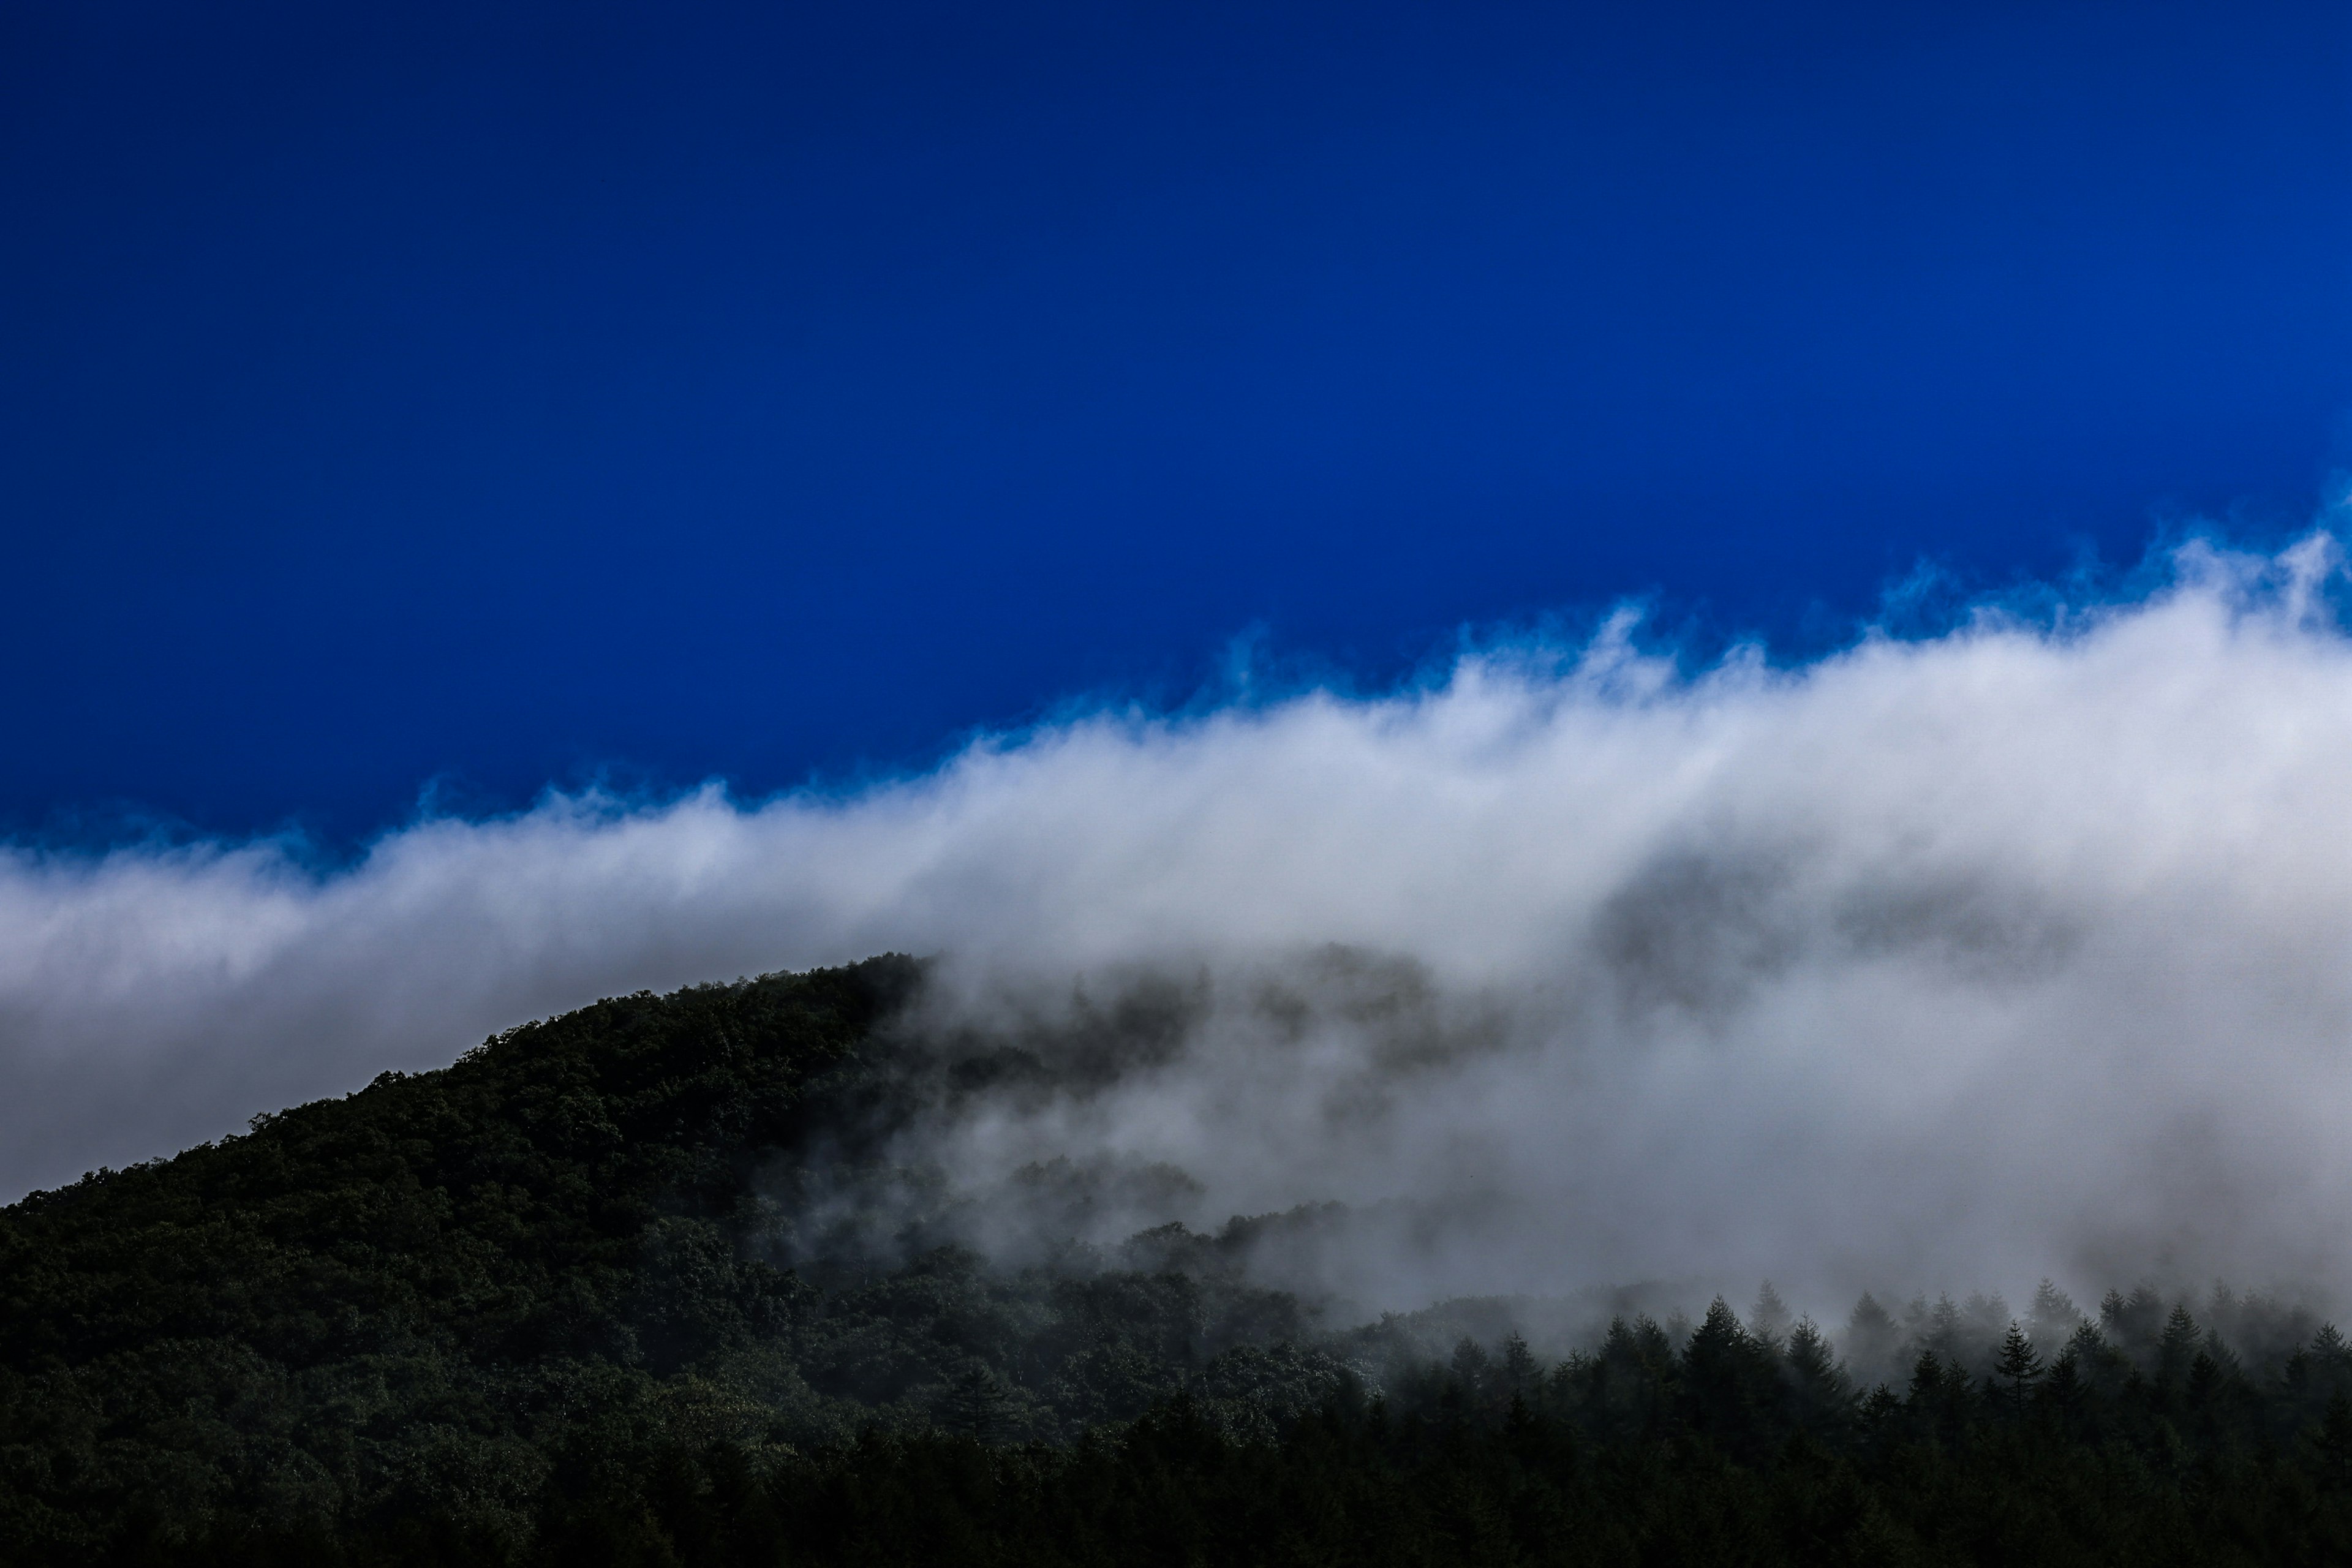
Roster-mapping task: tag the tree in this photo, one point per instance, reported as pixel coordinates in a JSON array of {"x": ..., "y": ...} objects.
[
  {"x": 1768, "y": 1320},
  {"x": 2204, "y": 1381},
  {"x": 2052, "y": 1317},
  {"x": 974, "y": 1404},
  {"x": 1823, "y": 1396},
  {"x": 2179, "y": 1346},
  {"x": 2332, "y": 1442},
  {"x": 1473, "y": 1368},
  {"x": 1942, "y": 1330},
  {"x": 2066, "y": 1389},
  {"x": 1927, "y": 1382},
  {"x": 1871, "y": 1337},
  {"x": 1809, "y": 1354},
  {"x": 2018, "y": 1364},
  {"x": 1727, "y": 1378},
  {"x": 1520, "y": 1370},
  {"x": 2133, "y": 1324}
]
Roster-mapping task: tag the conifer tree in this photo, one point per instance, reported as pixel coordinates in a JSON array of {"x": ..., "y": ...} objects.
[
  {"x": 1473, "y": 1367},
  {"x": 2204, "y": 1379},
  {"x": 1942, "y": 1330},
  {"x": 1984, "y": 1318},
  {"x": 2178, "y": 1346},
  {"x": 2139, "y": 1330},
  {"x": 2065, "y": 1388},
  {"x": 2223, "y": 1309},
  {"x": 1727, "y": 1375},
  {"x": 2052, "y": 1316},
  {"x": 1872, "y": 1339},
  {"x": 2332, "y": 1441},
  {"x": 1809, "y": 1351},
  {"x": 1520, "y": 1369},
  {"x": 1769, "y": 1318},
  {"x": 1927, "y": 1380},
  {"x": 975, "y": 1403},
  {"x": 2018, "y": 1364},
  {"x": 1824, "y": 1395}
]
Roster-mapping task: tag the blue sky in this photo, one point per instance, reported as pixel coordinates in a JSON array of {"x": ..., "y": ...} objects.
[{"x": 493, "y": 395}]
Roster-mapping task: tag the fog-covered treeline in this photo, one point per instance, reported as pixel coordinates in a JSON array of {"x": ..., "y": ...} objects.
[
  {"x": 643, "y": 1284},
  {"x": 1608, "y": 964}
]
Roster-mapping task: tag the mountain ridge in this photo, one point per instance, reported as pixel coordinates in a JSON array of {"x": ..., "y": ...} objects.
[{"x": 539, "y": 1306}]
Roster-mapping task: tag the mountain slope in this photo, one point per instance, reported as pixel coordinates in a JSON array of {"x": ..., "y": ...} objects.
[
  {"x": 411, "y": 1286},
  {"x": 566, "y": 1301},
  {"x": 446, "y": 1303}
]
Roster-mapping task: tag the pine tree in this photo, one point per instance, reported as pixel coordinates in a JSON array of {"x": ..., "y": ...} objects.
[
  {"x": 1630, "y": 1375},
  {"x": 1769, "y": 1318},
  {"x": 2052, "y": 1317},
  {"x": 1823, "y": 1393},
  {"x": 1809, "y": 1351},
  {"x": 2331, "y": 1442},
  {"x": 1926, "y": 1382},
  {"x": 2138, "y": 1327},
  {"x": 1928, "y": 1401},
  {"x": 2223, "y": 1309},
  {"x": 1520, "y": 1369},
  {"x": 1726, "y": 1377},
  {"x": 975, "y": 1403},
  {"x": 1871, "y": 1341},
  {"x": 1984, "y": 1318},
  {"x": 1473, "y": 1368},
  {"x": 2066, "y": 1389},
  {"x": 2204, "y": 1379},
  {"x": 2134, "y": 1324},
  {"x": 2018, "y": 1364},
  {"x": 1943, "y": 1329},
  {"x": 2178, "y": 1346}
]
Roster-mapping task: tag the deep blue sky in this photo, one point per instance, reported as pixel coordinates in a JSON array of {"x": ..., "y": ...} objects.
[{"x": 495, "y": 392}]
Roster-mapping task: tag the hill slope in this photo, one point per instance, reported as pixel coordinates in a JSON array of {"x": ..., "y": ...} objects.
[
  {"x": 536, "y": 1308},
  {"x": 386, "y": 1301},
  {"x": 421, "y": 1306}
]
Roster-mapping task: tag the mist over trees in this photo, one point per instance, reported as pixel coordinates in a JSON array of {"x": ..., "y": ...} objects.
[
  {"x": 655, "y": 1281},
  {"x": 1614, "y": 964}
]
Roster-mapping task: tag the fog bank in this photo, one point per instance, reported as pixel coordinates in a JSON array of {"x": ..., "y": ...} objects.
[{"x": 1953, "y": 960}]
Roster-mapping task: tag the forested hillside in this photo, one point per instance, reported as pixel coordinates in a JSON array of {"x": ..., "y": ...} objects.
[{"x": 544, "y": 1307}]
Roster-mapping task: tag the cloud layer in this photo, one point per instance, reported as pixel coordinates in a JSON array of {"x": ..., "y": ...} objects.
[{"x": 2023, "y": 948}]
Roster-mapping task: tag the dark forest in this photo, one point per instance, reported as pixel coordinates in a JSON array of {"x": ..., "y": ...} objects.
[{"x": 557, "y": 1304}]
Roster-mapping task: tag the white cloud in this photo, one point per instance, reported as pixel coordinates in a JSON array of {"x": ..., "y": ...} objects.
[{"x": 2023, "y": 947}]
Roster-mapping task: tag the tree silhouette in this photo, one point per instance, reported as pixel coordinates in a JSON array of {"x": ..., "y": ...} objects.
[
  {"x": 2065, "y": 1388},
  {"x": 1941, "y": 1332},
  {"x": 2179, "y": 1346},
  {"x": 1770, "y": 1320},
  {"x": 1520, "y": 1369},
  {"x": 2052, "y": 1316},
  {"x": 1871, "y": 1337},
  {"x": 975, "y": 1403},
  {"x": 2332, "y": 1442},
  {"x": 2018, "y": 1364},
  {"x": 1823, "y": 1396}
]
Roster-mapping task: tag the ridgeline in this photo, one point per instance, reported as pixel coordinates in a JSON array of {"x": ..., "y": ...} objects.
[{"x": 531, "y": 1309}]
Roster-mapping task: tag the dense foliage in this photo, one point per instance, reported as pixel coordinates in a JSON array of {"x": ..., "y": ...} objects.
[{"x": 543, "y": 1307}]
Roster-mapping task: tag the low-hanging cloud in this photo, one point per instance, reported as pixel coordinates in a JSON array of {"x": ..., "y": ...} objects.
[{"x": 2025, "y": 947}]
